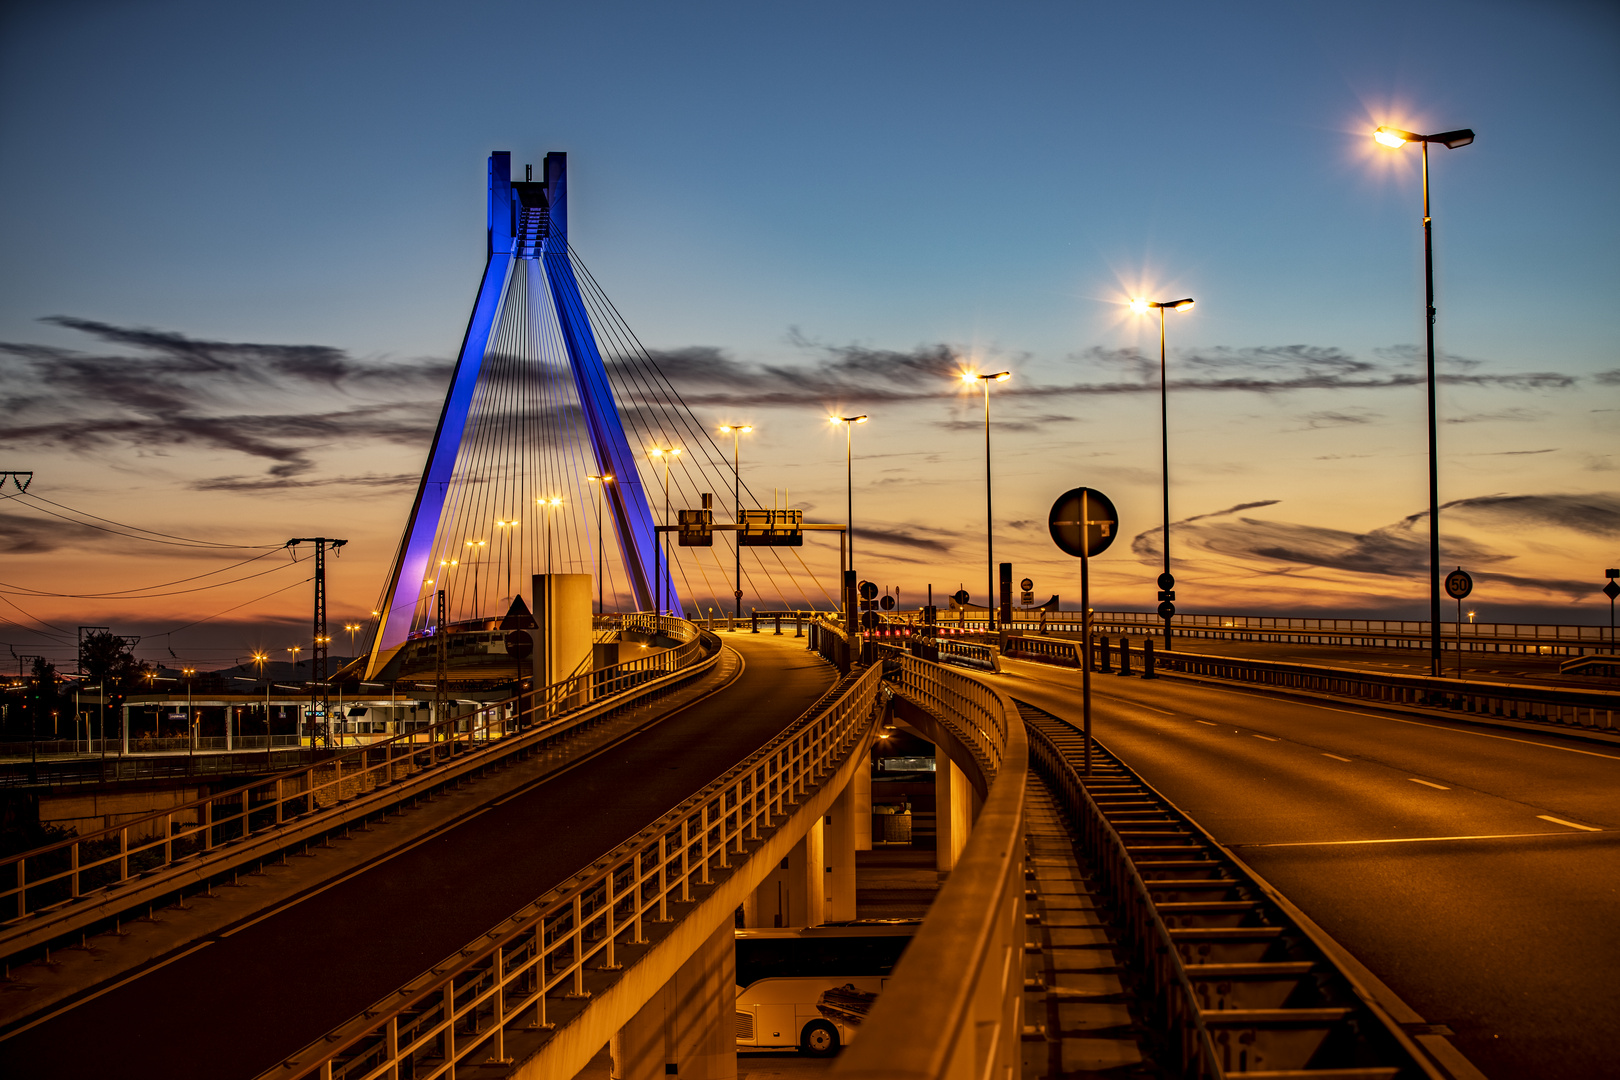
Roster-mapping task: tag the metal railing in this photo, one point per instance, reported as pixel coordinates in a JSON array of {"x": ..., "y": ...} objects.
[
  {"x": 954, "y": 1005},
  {"x": 1235, "y": 978},
  {"x": 495, "y": 1000},
  {"x": 1585, "y": 709},
  {"x": 48, "y": 877}
]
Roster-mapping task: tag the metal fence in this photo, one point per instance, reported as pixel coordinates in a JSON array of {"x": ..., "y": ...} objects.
[
  {"x": 64, "y": 872},
  {"x": 496, "y": 1000},
  {"x": 954, "y": 1005}
]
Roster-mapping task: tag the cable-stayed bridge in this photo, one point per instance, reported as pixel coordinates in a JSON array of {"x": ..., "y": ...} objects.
[{"x": 544, "y": 877}]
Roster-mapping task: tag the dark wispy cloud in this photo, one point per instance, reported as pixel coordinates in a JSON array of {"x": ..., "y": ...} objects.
[
  {"x": 1595, "y": 515},
  {"x": 1340, "y": 417},
  {"x": 158, "y": 392}
]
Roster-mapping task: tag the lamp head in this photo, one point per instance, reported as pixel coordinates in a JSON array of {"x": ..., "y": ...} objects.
[
  {"x": 1453, "y": 139},
  {"x": 1140, "y": 306},
  {"x": 1180, "y": 305},
  {"x": 861, "y": 419},
  {"x": 970, "y": 377},
  {"x": 1394, "y": 137},
  {"x": 1000, "y": 376}
]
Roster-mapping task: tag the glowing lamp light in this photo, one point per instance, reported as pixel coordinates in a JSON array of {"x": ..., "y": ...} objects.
[
  {"x": 1139, "y": 306},
  {"x": 1392, "y": 136}
]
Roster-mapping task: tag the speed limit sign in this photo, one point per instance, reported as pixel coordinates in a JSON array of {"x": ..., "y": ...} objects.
[{"x": 1458, "y": 584}]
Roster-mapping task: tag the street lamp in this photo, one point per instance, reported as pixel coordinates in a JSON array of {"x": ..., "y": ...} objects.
[
  {"x": 506, "y": 543},
  {"x": 475, "y": 545},
  {"x": 191, "y": 718},
  {"x": 968, "y": 379},
  {"x": 666, "y": 454},
  {"x": 849, "y": 423},
  {"x": 1395, "y": 137},
  {"x": 549, "y": 505},
  {"x": 737, "y": 432},
  {"x": 603, "y": 479},
  {"x": 259, "y": 658},
  {"x": 1167, "y": 583}
]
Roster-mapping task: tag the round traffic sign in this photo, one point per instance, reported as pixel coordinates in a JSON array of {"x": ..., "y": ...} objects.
[
  {"x": 1026, "y": 585},
  {"x": 887, "y": 603},
  {"x": 869, "y": 620},
  {"x": 868, "y": 591},
  {"x": 1166, "y": 609},
  {"x": 519, "y": 642},
  {"x": 1458, "y": 584},
  {"x": 1167, "y": 581},
  {"x": 960, "y": 596},
  {"x": 1083, "y": 522}
]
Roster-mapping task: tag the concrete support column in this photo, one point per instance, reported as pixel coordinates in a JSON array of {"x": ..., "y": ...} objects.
[
  {"x": 687, "y": 1029},
  {"x": 793, "y": 894},
  {"x": 861, "y": 786},
  {"x": 953, "y": 810},
  {"x": 843, "y": 827}
]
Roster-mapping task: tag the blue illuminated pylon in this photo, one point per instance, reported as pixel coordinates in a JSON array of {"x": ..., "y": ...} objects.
[{"x": 528, "y": 233}]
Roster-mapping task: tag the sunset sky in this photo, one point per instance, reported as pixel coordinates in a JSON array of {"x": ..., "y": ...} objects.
[{"x": 239, "y": 244}]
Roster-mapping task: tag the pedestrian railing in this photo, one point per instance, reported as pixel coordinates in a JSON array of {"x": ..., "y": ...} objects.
[
  {"x": 498, "y": 999},
  {"x": 954, "y": 1005},
  {"x": 59, "y": 874}
]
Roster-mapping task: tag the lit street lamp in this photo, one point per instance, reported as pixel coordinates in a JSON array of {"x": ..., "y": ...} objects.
[
  {"x": 475, "y": 545},
  {"x": 970, "y": 378},
  {"x": 849, "y": 423},
  {"x": 666, "y": 454},
  {"x": 1167, "y": 583},
  {"x": 550, "y": 505},
  {"x": 603, "y": 479},
  {"x": 1395, "y": 137},
  {"x": 737, "y": 432},
  {"x": 506, "y": 543}
]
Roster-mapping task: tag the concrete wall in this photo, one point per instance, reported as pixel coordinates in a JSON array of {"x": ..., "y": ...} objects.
[{"x": 562, "y": 608}]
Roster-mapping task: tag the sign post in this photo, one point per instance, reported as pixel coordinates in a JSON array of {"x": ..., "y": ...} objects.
[
  {"x": 1458, "y": 585},
  {"x": 1084, "y": 523}
]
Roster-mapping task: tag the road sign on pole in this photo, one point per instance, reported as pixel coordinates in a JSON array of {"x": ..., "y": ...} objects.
[
  {"x": 1459, "y": 584},
  {"x": 1084, "y": 523}
]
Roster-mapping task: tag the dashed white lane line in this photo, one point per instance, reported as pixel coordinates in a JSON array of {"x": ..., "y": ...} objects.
[
  {"x": 1401, "y": 840},
  {"x": 1150, "y": 708},
  {"x": 1427, "y": 783},
  {"x": 1268, "y": 738},
  {"x": 1206, "y": 723},
  {"x": 1336, "y": 757},
  {"x": 1571, "y": 824}
]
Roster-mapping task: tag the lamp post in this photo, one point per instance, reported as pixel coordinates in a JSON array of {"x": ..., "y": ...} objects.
[
  {"x": 666, "y": 454},
  {"x": 549, "y": 505},
  {"x": 969, "y": 378},
  {"x": 849, "y": 423},
  {"x": 1394, "y": 137},
  {"x": 191, "y": 718},
  {"x": 602, "y": 479},
  {"x": 1167, "y": 583},
  {"x": 476, "y": 545},
  {"x": 737, "y": 432},
  {"x": 258, "y": 658},
  {"x": 506, "y": 543}
]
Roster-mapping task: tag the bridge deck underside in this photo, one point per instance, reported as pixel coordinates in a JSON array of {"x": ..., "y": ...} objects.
[{"x": 245, "y": 1002}]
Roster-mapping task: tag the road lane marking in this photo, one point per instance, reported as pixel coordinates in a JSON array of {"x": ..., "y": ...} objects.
[
  {"x": 1268, "y": 738},
  {"x": 1206, "y": 723},
  {"x": 1571, "y": 824},
  {"x": 1427, "y": 783},
  {"x": 1399, "y": 840},
  {"x": 1336, "y": 757}
]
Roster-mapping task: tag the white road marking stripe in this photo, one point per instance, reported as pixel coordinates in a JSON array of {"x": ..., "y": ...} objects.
[
  {"x": 1427, "y": 783},
  {"x": 1442, "y": 727},
  {"x": 1268, "y": 738},
  {"x": 1336, "y": 757},
  {"x": 1401, "y": 840},
  {"x": 1571, "y": 824},
  {"x": 1139, "y": 705},
  {"x": 1206, "y": 723}
]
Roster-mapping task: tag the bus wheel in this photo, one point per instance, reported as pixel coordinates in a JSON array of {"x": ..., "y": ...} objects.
[{"x": 819, "y": 1039}]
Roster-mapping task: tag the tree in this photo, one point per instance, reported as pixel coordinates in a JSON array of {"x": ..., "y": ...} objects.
[{"x": 107, "y": 660}]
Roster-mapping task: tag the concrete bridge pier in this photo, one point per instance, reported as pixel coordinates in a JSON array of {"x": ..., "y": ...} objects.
[
  {"x": 954, "y": 808},
  {"x": 687, "y": 1028},
  {"x": 815, "y": 884}
]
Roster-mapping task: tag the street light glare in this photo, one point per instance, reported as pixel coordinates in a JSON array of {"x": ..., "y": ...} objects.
[
  {"x": 1139, "y": 306},
  {"x": 1391, "y": 136},
  {"x": 969, "y": 377}
]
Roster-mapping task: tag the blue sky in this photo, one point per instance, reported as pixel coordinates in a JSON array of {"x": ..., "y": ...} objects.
[{"x": 783, "y": 181}]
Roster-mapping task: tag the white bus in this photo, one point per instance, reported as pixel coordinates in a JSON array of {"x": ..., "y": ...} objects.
[{"x": 809, "y": 987}]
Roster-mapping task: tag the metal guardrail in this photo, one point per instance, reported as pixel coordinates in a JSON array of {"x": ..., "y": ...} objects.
[
  {"x": 1584, "y": 709},
  {"x": 954, "y": 1005},
  {"x": 495, "y": 1000},
  {"x": 1546, "y": 638},
  {"x": 1237, "y": 979},
  {"x": 62, "y": 873}
]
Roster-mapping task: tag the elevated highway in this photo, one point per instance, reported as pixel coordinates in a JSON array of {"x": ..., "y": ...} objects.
[
  {"x": 246, "y": 997},
  {"x": 1474, "y": 871}
]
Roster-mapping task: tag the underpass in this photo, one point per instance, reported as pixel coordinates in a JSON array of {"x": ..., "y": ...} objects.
[
  {"x": 1458, "y": 863},
  {"x": 323, "y": 959}
]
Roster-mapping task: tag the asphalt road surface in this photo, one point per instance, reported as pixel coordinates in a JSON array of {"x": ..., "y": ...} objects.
[
  {"x": 246, "y": 1000},
  {"x": 1476, "y": 871}
]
